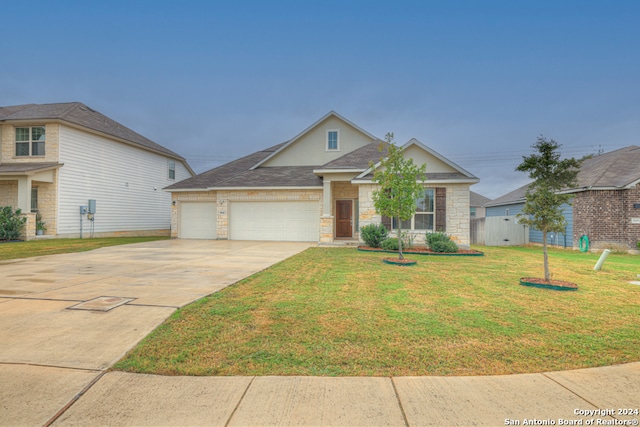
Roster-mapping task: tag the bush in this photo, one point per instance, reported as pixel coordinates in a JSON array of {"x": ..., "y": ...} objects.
[
  {"x": 407, "y": 240},
  {"x": 374, "y": 234},
  {"x": 638, "y": 244},
  {"x": 431, "y": 238},
  {"x": 444, "y": 246},
  {"x": 391, "y": 244},
  {"x": 11, "y": 223}
]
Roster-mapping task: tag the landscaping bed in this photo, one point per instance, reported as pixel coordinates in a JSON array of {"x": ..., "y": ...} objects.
[{"x": 425, "y": 251}]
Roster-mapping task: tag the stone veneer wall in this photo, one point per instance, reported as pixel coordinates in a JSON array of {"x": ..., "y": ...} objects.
[
  {"x": 605, "y": 216},
  {"x": 9, "y": 193},
  {"x": 458, "y": 216},
  {"x": 51, "y": 146},
  {"x": 223, "y": 197}
]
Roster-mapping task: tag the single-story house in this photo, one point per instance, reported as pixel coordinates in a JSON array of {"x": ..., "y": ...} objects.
[
  {"x": 477, "y": 204},
  {"x": 315, "y": 187},
  {"x": 54, "y": 158},
  {"x": 605, "y": 205}
]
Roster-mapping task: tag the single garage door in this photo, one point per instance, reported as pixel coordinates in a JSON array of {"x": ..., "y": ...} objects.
[
  {"x": 197, "y": 220},
  {"x": 286, "y": 220}
]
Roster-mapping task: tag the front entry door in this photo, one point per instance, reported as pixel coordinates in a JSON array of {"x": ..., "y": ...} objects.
[{"x": 344, "y": 220}]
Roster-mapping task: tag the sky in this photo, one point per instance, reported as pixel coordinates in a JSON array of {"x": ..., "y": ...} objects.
[{"x": 475, "y": 80}]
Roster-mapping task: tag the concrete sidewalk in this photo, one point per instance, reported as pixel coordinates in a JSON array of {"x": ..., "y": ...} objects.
[{"x": 65, "y": 319}]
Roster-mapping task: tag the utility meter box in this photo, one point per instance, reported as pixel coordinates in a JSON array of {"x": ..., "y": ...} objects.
[{"x": 92, "y": 206}]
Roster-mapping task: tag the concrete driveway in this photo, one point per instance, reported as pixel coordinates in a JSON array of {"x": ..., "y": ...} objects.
[{"x": 64, "y": 319}]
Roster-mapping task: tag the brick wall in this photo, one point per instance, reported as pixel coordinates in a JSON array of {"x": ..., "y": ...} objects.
[
  {"x": 606, "y": 217},
  {"x": 9, "y": 193}
]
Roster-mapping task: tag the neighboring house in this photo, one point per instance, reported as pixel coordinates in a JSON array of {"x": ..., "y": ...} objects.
[
  {"x": 605, "y": 205},
  {"x": 315, "y": 187},
  {"x": 57, "y": 157},
  {"x": 477, "y": 204}
]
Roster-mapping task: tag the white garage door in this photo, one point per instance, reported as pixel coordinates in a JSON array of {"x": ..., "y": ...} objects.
[
  {"x": 197, "y": 220},
  {"x": 287, "y": 221}
]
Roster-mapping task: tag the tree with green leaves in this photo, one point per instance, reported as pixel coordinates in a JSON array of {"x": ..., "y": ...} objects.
[
  {"x": 400, "y": 184},
  {"x": 543, "y": 206}
]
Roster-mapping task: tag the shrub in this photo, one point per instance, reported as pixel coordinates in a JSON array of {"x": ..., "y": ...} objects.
[
  {"x": 638, "y": 244},
  {"x": 431, "y": 238},
  {"x": 444, "y": 246},
  {"x": 390, "y": 244},
  {"x": 11, "y": 223},
  {"x": 407, "y": 240},
  {"x": 374, "y": 234}
]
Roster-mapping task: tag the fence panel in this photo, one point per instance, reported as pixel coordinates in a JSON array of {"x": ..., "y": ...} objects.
[{"x": 505, "y": 231}]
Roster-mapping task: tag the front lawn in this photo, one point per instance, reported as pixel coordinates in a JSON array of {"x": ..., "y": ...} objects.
[
  {"x": 14, "y": 250},
  {"x": 342, "y": 312}
]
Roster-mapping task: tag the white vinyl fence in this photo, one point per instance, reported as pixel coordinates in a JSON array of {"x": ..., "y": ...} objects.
[{"x": 498, "y": 231}]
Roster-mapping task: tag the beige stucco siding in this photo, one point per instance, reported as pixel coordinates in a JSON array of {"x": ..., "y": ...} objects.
[{"x": 311, "y": 148}]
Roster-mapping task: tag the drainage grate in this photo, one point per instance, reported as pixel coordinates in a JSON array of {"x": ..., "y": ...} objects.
[{"x": 101, "y": 303}]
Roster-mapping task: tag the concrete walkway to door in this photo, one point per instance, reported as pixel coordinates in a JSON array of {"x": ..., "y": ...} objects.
[{"x": 64, "y": 319}]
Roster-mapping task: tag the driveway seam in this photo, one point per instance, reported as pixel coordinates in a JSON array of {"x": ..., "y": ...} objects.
[
  {"x": 569, "y": 390},
  {"x": 74, "y": 399},
  {"x": 395, "y": 391},
  {"x": 239, "y": 402}
]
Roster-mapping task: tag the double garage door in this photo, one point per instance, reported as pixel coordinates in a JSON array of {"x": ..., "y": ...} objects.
[{"x": 281, "y": 220}]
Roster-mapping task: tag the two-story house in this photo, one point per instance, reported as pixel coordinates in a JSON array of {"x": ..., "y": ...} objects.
[{"x": 55, "y": 158}]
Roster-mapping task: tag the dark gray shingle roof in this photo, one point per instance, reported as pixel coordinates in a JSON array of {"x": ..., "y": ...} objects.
[
  {"x": 18, "y": 168},
  {"x": 615, "y": 169},
  {"x": 359, "y": 158},
  {"x": 476, "y": 199},
  {"x": 79, "y": 114}
]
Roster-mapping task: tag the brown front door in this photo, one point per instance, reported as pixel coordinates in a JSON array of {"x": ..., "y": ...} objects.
[{"x": 344, "y": 221}]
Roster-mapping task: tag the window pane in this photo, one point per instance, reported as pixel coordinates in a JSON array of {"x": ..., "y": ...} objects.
[
  {"x": 424, "y": 221},
  {"x": 332, "y": 140},
  {"x": 425, "y": 204},
  {"x": 37, "y": 149},
  {"x": 34, "y": 200},
  {"x": 22, "y": 148},
  {"x": 22, "y": 134},
  {"x": 37, "y": 134}
]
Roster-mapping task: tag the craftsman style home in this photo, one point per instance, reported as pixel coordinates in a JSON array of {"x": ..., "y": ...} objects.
[
  {"x": 54, "y": 158},
  {"x": 315, "y": 187}
]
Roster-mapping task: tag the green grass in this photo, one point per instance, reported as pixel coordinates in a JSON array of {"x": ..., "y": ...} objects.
[
  {"x": 14, "y": 250},
  {"x": 342, "y": 312}
]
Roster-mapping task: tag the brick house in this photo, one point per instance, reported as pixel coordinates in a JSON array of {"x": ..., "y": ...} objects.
[
  {"x": 605, "y": 205},
  {"x": 54, "y": 158},
  {"x": 315, "y": 187}
]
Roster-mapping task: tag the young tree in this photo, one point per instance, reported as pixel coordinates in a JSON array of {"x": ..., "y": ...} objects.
[
  {"x": 400, "y": 185},
  {"x": 543, "y": 207}
]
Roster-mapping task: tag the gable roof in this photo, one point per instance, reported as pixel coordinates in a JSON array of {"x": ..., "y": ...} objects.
[
  {"x": 229, "y": 172},
  {"x": 79, "y": 114},
  {"x": 358, "y": 159},
  {"x": 307, "y": 130},
  {"x": 615, "y": 170},
  {"x": 459, "y": 175},
  {"x": 476, "y": 199}
]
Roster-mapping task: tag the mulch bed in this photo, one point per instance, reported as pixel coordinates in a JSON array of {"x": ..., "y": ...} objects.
[
  {"x": 550, "y": 284},
  {"x": 422, "y": 250}
]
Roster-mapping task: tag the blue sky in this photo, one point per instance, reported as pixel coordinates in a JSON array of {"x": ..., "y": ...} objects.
[{"x": 476, "y": 81}]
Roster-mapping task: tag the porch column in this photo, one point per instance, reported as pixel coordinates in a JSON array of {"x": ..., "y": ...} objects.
[
  {"x": 326, "y": 222},
  {"x": 326, "y": 198},
  {"x": 24, "y": 194}
]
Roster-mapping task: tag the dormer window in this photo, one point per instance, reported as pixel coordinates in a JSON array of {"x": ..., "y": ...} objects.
[
  {"x": 30, "y": 141},
  {"x": 333, "y": 140}
]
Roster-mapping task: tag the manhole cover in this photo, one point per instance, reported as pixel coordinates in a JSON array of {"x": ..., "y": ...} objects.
[{"x": 101, "y": 303}]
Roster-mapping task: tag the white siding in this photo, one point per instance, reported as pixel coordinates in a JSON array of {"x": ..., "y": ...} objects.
[{"x": 125, "y": 181}]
